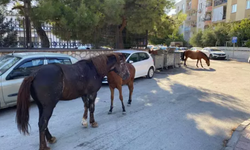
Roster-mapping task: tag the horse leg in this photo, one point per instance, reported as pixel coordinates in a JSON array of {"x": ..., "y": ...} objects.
[
  {"x": 112, "y": 90},
  {"x": 121, "y": 98},
  {"x": 92, "y": 98},
  {"x": 85, "y": 115},
  {"x": 131, "y": 88},
  {"x": 201, "y": 63},
  {"x": 197, "y": 63},
  {"x": 185, "y": 60},
  {"x": 43, "y": 127},
  {"x": 48, "y": 136}
]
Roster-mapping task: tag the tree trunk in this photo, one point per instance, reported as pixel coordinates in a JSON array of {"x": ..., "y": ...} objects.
[
  {"x": 123, "y": 25},
  {"x": 42, "y": 34}
]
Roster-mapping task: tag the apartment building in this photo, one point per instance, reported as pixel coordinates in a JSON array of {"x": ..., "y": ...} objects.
[
  {"x": 237, "y": 10},
  {"x": 202, "y": 13},
  {"x": 180, "y": 7}
]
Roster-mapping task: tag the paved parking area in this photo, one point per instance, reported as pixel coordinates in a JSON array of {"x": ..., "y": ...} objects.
[{"x": 179, "y": 109}]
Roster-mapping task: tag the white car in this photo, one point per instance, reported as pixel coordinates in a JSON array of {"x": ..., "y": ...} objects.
[
  {"x": 196, "y": 48},
  {"x": 15, "y": 67},
  {"x": 214, "y": 53},
  {"x": 141, "y": 60}
]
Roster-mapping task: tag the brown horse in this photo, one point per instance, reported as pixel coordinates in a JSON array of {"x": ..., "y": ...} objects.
[
  {"x": 115, "y": 81},
  {"x": 55, "y": 82},
  {"x": 195, "y": 55}
]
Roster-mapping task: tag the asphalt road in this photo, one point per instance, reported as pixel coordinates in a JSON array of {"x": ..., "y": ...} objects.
[{"x": 179, "y": 109}]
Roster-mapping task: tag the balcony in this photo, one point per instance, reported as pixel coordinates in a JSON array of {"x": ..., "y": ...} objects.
[
  {"x": 208, "y": 3},
  {"x": 219, "y": 2}
]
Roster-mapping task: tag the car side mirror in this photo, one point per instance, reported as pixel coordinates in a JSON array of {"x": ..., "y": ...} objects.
[{"x": 131, "y": 61}]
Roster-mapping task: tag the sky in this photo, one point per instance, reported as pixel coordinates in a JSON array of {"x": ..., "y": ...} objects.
[{"x": 173, "y": 10}]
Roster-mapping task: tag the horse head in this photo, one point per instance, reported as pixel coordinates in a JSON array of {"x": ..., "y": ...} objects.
[{"x": 120, "y": 67}]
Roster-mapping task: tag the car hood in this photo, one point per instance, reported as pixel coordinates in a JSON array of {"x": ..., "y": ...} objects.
[{"x": 218, "y": 52}]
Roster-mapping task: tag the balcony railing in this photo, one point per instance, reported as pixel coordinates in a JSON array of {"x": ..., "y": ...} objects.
[{"x": 219, "y": 2}]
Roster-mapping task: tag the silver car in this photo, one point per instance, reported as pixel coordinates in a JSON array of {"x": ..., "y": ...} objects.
[{"x": 15, "y": 67}]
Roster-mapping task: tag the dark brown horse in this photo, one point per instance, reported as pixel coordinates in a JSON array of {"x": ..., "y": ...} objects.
[
  {"x": 195, "y": 55},
  {"x": 55, "y": 82},
  {"x": 115, "y": 81}
]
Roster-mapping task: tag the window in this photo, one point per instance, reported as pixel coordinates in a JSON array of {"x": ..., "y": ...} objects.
[
  {"x": 143, "y": 56},
  {"x": 234, "y": 8},
  {"x": 134, "y": 57},
  {"x": 248, "y": 4},
  {"x": 58, "y": 61},
  {"x": 25, "y": 69}
]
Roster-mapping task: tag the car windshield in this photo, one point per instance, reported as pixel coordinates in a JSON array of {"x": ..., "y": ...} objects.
[
  {"x": 6, "y": 62},
  {"x": 215, "y": 50},
  {"x": 126, "y": 55}
]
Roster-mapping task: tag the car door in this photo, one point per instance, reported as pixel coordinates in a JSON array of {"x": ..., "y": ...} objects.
[
  {"x": 13, "y": 80},
  {"x": 145, "y": 63},
  {"x": 136, "y": 63}
]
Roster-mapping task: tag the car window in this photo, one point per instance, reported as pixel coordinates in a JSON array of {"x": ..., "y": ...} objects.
[
  {"x": 143, "y": 56},
  {"x": 32, "y": 63},
  {"x": 126, "y": 55},
  {"x": 26, "y": 69},
  {"x": 134, "y": 57},
  {"x": 59, "y": 61}
]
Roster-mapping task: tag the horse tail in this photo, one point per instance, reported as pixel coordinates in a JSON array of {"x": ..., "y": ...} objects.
[
  {"x": 183, "y": 55},
  {"x": 23, "y": 103}
]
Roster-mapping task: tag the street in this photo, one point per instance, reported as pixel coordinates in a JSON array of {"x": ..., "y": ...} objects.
[{"x": 185, "y": 108}]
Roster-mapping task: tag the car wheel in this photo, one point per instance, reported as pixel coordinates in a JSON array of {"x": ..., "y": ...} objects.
[
  {"x": 150, "y": 73},
  {"x": 210, "y": 56}
]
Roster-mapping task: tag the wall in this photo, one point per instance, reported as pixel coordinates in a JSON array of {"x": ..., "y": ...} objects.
[
  {"x": 239, "y": 53},
  {"x": 78, "y": 54}
]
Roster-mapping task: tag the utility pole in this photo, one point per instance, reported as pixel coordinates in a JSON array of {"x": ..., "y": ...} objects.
[{"x": 27, "y": 6}]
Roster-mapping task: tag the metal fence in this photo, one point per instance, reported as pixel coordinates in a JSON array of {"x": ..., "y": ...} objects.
[{"x": 33, "y": 39}]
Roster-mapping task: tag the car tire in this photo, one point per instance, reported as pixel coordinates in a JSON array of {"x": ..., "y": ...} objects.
[
  {"x": 210, "y": 56},
  {"x": 150, "y": 73}
]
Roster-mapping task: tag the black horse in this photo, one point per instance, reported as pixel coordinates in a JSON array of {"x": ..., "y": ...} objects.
[{"x": 55, "y": 82}]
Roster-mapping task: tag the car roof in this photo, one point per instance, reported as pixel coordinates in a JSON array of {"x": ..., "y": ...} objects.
[
  {"x": 37, "y": 54},
  {"x": 128, "y": 51}
]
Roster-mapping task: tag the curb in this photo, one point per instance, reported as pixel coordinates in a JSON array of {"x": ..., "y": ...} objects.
[{"x": 236, "y": 135}]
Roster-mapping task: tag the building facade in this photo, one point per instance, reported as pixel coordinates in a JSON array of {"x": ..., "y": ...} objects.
[{"x": 202, "y": 13}]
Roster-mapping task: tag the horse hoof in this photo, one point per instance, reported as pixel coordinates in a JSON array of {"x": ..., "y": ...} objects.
[
  {"x": 110, "y": 112},
  {"x": 124, "y": 112},
  {"x": 52, "y": 140},
  {"x": 94, "y": 125},
  {"x": 84, "y": 123}
]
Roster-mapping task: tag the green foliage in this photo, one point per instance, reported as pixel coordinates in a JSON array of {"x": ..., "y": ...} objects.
[
  {"x": 241, "y": 30},
  {"x": 221, "y": 34},
  {"x": 248, "y": 43},
  {"x": 196, "y": 39},
  {"x": 208, "y": 38},
  {"x": 7, "y": 33},
  {"x": 167, "y": 32}
]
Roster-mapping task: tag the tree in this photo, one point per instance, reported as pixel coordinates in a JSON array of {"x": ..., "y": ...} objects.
[
  {"x": 169, "y": 31},
  {"x": 208, "y": 38},
  {"x": 221, "y": 33},
  {"x": 34, "y": 15},
  {"x": 196, "y": 39},
  {"x": 8, "y": 36},
  {"x": 87, "y": 19},
  {"x": 241, "y": 30}
]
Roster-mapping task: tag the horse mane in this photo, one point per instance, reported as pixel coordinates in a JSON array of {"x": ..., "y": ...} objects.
[
  {"x": 205, "y": 55},
  {"x": 100, "y": 62}
]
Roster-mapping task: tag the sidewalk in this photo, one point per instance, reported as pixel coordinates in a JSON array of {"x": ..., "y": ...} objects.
[{"x": 240, "y": 139}]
